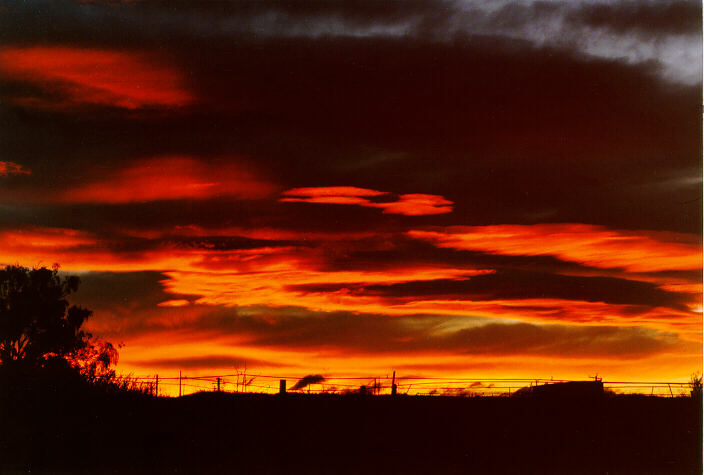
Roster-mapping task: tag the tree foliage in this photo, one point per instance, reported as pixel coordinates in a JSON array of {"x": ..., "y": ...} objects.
[
  {"x": 39, "y": 328},
  {"x": 695, "y": 385}
]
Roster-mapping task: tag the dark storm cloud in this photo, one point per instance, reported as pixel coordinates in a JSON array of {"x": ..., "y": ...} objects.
[
  {"x": 341, "y": 332},
  {"x": 520, "y": 134},
  {"x": 116, "y": 222},
  {"x": 131, "y": 291},
  {"x": 127, "y": 20},
  {"x": 206, "y": 243},
  {"x": 653, "y": 17},
  {"x": 149, "y": 21},
  {"x": 539, "y": 149},
  {"x": 180, "y": 27},
  {"x": 488, "y": 121},
  {"x": 518, "y": 285},
  {"x": 383, "y": 252}
]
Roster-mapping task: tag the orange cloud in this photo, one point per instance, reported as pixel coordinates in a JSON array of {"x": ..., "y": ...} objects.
[
  {"x": 276, "y": 285},
  {"x": 94, "y": 76},
  {"x": 12, "y": 168},
  {"x": 268, "y": 278},
  {"x": 635, "y": 251},
  {"x": 44, "y": 238},
  {"x": 270, "y": 281},
  {"x": 409, "y": 204},
  {"x": 285, "y": 275},
  {"x": 288, "y": 275},
  {"x": 171, "y": 178},
  {"x": 174, "y": 303}
]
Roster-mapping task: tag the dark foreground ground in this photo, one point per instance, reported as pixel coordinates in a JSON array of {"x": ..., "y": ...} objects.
[{"x": 226, "y": 433}]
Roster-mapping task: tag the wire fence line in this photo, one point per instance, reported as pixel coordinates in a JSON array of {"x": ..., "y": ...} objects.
[{"x": 242, "y": 382}]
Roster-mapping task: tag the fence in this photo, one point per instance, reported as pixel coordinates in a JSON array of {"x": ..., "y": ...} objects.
[{"x": 242, "y": 382}]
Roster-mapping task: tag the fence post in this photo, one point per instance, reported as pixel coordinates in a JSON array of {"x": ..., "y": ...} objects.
[
  {"x": 393, "y": 384},
  {"x": 157, "y": 385},
  {"x": 282, "y": 386},
  {"x": 218, "y": 383}
]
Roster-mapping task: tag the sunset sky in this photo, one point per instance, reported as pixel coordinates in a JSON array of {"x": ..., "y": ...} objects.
[{"x": 440, "y": 188}]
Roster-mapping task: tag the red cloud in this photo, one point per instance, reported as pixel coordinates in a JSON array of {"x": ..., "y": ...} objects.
[
  {"x": 12, "y": 168},
  {"x": 93, "y": 76},
  {"x": 335, "y": 191},
  {"x": 171, "y": 178},
  {"x": 416, "y": 205},
  {"x": 409, "y": 205}
]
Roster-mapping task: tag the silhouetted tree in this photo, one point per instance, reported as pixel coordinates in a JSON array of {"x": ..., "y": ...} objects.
[
  {"x": 39, "y": 329},
  {"x": 695, "y": 385}
]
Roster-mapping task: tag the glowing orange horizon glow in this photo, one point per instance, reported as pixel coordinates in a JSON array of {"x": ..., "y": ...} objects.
[
  {"x": 143, "y": 359},
  {"x": 95, "y": 76},
  {"x": 168, "y": 178},
  {"x": 635, "y": 251}
]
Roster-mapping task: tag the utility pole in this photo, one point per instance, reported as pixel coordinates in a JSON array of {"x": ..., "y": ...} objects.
[
  {"x": 179, "y": 383},
  {"x": 157, "y": 385},
  {"x": 393, "y": 384},
  {"x": 218, "y": 383}
]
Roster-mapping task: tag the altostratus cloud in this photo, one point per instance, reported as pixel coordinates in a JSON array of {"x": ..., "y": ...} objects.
[
  {"x": 413, "y": 204},
  {"x": 635, "y": 251},
  {"x": 351, "y": 333},
  {"x": 169, "y": 178},
  {"x": 70, "y": 76}
]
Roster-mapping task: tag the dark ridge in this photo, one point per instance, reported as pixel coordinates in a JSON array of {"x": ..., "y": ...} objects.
[{"x": 296, "y": 433}]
